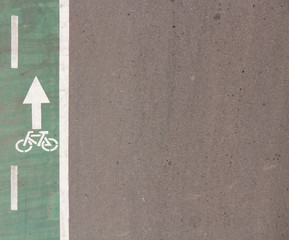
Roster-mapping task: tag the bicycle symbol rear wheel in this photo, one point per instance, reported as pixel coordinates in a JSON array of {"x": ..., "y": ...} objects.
[
  {"x": 53, "y": 145},
  {"x": 21, "y": 148}
]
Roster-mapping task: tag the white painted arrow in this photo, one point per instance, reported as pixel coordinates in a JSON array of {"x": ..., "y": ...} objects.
[{"x": 36, "y": 96}]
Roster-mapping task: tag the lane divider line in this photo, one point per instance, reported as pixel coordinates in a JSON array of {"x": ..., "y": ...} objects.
[
  {"x": 64, "y": 119},
  {"x": 14, "y": 188},
  {"x": 14, "y": 41}
]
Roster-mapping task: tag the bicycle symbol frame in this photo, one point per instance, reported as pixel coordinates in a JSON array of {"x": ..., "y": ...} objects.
[{"x": 25, "y": 145}]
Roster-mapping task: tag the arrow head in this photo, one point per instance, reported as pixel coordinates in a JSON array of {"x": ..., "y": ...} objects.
[{"x": 36, "y": 94}]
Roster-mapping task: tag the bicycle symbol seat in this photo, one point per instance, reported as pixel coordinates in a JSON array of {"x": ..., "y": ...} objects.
[{"x": 38, "y": 139}]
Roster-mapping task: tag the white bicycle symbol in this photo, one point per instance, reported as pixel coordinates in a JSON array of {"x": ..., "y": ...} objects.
[{"x": 26, "y": 144}]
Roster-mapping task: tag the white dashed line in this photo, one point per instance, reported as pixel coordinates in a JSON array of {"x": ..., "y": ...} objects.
[
  {"x": 14, "y": 188},
  {"x": 14, "y": 41}
]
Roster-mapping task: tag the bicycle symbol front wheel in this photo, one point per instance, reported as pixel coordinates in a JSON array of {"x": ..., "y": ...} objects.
[
  {"x": 50, "y": 147},
  {"x": 21, "y": 148}
]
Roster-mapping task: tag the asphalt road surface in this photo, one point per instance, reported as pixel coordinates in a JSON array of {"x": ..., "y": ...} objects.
[{"x": 179, "y": 120}]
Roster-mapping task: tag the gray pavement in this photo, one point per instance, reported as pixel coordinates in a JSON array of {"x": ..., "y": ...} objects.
[{"x": 179, "y": 120}]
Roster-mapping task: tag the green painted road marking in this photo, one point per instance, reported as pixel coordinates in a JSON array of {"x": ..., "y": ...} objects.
[{"x": 34, "y": 135}]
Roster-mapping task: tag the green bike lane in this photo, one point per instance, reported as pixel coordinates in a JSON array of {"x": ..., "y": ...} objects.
[{"x": 38, "y": 205}]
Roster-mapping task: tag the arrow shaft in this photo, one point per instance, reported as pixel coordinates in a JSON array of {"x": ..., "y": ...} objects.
[{"x": 36, "y": 116}]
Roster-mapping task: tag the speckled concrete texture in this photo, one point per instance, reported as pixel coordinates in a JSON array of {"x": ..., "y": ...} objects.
[{"x": 179, "y": 120}]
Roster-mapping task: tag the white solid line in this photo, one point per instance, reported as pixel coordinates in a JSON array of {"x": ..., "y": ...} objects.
[
  {"x": 63, "y": 118},
  {"x": 14, "y": 188},
  {"x": 14, "y": 41}
]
